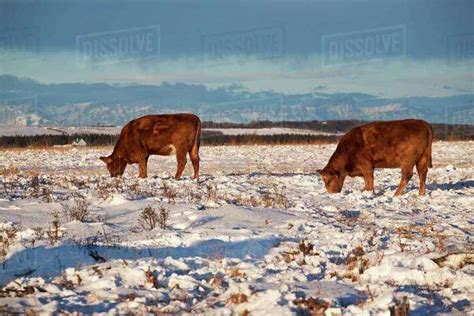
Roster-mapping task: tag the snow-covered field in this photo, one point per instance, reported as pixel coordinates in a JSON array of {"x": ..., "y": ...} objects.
[
  {"x": 268, "y": 131},
  {"x": 258, "y": 234}
]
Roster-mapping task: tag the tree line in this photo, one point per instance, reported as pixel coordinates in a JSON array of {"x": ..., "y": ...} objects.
[{"x": 217, "y": 138}]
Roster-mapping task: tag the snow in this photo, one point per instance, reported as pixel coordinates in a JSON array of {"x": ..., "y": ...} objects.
[
  {"x": 267, "y": 131},
  {"x": 257, "y": 234}
]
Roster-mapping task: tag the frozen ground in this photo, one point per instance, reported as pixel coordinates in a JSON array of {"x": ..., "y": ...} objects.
[{"x": 257, "y": 234}]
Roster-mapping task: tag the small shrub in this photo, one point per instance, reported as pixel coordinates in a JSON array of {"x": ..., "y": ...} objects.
[
  {"x": 400, "y": 307},
  {"x": 35, "y": 185},
  {"x": 8, "y": 233},
  {"x": 237, "y": 298},
  {"x": 55, "y": 231},
  {"x": 306, "y": 248},
  {"x": 236, "y": 273},
  {"x": 211, "y": 192},
  {"x": 163, "y": 216},
  {"x": 47, "y": 195},
  {"x": 138, "y": 189},
  {"x": 9, "y": 171},
  {"x": 151, "y": 278},
  {"x": 77, "y": 210},
  {"x": 169, "y": 192},
  {"x": 315, "y": 306},
  {"x": 39, "y": 233},
  {"x": 216, "y": 281},
  {"x": 276, "y": 198},
  {"x": 151, "y": 217},
  {"x": 104, "y": 190},
  {"x": 148, "y": 218}
]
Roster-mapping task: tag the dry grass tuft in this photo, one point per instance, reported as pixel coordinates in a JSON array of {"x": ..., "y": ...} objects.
[
  {"x": 237, "y": 298},
  {"x": 236, "y": 273},
  {"x": 9, "y": 171},
  {"x": 400, "y": 307},
  {"x": 55, "y": 231},
  {"x": 216, "y": 281},
  {"x": 314, "y": 305},
  {"x": 8, "y": 234},
  {"x": 169, "y": 192},
  {"x": 77, "y": 210},
  {"x": 151, "y": 217},
  {"x": 356, "y": 264},
  {"x": 151, "y": 278}
]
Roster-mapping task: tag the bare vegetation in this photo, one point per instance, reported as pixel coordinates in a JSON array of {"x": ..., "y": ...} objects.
[
  {"x": 77, "y": 210},
  {"x": 151, "y": 217},
  {"x": 169, "y": 192},
  {"x": 276, "y": 198},
  {"x": 400, "y": 307},
  {"x": 9, "y": 171},
  {"x": 315, "y": 306},
  {"x": 55, "y": 231},
  {"x": 237, "y": 298},
  {"x": 8, "y": 233}
]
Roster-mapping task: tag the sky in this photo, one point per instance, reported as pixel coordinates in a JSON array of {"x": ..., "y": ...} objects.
[{"x": 386, "y": 48}]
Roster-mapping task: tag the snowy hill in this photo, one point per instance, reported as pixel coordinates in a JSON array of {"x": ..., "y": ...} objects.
[{"x": 26, "y": 102}]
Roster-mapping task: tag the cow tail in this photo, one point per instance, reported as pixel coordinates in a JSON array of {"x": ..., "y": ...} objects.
[
  {"x": 429, "y": 149},
  {"x": 197, "y": 140}
]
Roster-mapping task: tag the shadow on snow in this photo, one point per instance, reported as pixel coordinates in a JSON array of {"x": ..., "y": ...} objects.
[{"x": 46, "y": 262}]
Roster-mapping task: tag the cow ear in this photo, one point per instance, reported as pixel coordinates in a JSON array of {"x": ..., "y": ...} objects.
[{"x": 106, "y": 159}]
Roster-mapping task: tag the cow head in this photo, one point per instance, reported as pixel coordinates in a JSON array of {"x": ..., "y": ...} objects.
[
  {"x": 333, "y": 180},
  {"x": 116, "y": 166}
]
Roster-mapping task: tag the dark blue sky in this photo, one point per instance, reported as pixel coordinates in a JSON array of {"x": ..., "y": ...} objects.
[
  {"x": 429, "y": 23},
  {"x": 433, "y": 32}
]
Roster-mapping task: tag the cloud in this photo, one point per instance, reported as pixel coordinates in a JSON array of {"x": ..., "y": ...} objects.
[{"x": 391, "y": 78}]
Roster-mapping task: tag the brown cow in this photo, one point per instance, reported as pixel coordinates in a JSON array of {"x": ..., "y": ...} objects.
[
  {"x": 391, "y": 144},
  {"x": 163, "y": 135}
]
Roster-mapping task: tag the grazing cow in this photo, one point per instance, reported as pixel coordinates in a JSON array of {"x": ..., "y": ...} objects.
[
  {"x": 392, "y": 144},
  {"x": 163, "y": 135}
]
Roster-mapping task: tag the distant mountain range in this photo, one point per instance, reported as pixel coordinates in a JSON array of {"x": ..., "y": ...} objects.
[{"x": 27, "y": 102}]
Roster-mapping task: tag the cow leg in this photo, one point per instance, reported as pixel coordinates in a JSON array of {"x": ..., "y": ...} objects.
[
  {"x": 407, "y": 173},
  {"x": 195, "y": 161},
  {"x": 422, "y": 170},
  {"x": 142, "y": 166},
  {"x": 181, "y": 158},
  {"x": 369, "y": 180}
]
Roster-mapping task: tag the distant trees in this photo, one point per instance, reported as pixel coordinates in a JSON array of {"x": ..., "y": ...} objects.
[
  {"x": 217, "y": 138},
  {"x": 323, "y": 126},
  {"x": 51, "y": 140}
]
